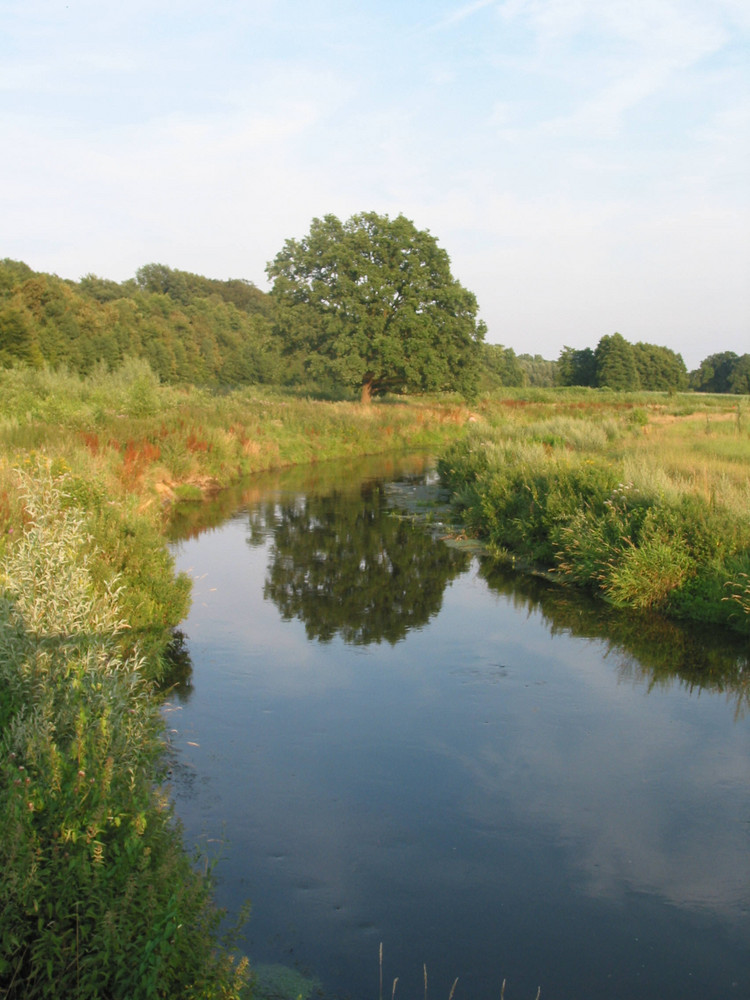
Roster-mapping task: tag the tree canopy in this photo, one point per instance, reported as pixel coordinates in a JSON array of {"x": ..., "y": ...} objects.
[
  {"x": 500, "y": 367},
  {"x": 373, "y": 302},
  {"x": 618, "y": 364},
  {"x": 188, "y": 328},
  {"x": 722, "y": 372},
  {"x": 372, "y": 306}
]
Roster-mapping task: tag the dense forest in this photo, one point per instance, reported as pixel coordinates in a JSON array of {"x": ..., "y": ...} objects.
[
  {"x": 190, "y": 329},
  {"x": 204, "y": 331}
]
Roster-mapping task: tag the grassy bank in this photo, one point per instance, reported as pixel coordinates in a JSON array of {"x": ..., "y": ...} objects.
[
  {"x": 643, "y": 499},
  {"x": 128, "y": 446},
  {"x": 99, "y": 896}
]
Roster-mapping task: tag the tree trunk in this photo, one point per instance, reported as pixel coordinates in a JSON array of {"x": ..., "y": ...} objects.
[{"x": 367, "y": 392}]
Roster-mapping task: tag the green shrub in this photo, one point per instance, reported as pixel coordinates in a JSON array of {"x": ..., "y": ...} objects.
[
  {"x": 99, "y": 897},
  {"x": 647, "y": 542},
  {"x": 645, "y": 575}
]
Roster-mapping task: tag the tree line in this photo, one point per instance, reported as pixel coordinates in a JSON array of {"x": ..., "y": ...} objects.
[
  {"x": 190, "y": 329},
  {"x": 368, "y": 305},
  {"x": 617, "y": 364}
]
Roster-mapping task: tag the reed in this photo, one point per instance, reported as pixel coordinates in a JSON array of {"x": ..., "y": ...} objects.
[{"x": 451, "y": 993}]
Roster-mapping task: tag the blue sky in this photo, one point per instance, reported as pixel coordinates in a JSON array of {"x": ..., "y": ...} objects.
[{"x": 585, "y": 163}]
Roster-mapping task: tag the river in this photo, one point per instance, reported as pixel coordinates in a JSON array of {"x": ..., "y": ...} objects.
[{"x": 386, "y": 739}]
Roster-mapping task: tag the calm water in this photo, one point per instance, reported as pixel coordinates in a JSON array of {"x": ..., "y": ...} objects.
[{"x": 395, "y": 743}]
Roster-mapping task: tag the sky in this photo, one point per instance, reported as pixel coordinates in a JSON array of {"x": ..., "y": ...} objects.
[{"x": 584, "y": 163}]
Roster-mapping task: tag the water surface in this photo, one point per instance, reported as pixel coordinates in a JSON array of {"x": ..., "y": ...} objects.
[{"x": 397, "y": 742}]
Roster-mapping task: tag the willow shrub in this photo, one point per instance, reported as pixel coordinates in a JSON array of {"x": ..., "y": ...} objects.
[
  {"x": 576, "y": 517},
  {"x": 98, "y": 896}
]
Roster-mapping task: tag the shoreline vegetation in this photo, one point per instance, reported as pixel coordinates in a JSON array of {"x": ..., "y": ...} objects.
[
  {"x": 642, "y": 502},
  {"x": 643, "y": 499},
  {"x": 100, "y": 896}
]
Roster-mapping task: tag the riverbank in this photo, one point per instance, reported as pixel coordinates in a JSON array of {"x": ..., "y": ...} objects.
[
  {"x": 129, "y": 449},
  {"x": 99, "y": 895},
  {"x": 642, "y": 500}
]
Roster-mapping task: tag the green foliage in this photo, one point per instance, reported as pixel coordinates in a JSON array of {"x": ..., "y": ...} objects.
[
  {"x": 714, "y": 373},
  {"x": 499, "y": 367},
  {"x": 722, "y": 372},
  {"x": 617, "y": 364},
  {"x": 739, "y": 380},
  {"x": 372, "y": 301},
  {"x": 537, "y": 371},
  {"x": 99, "y": 898},
  {"x": 129, "y": 548},
  {"x": 188, "y": 329},
  {"x": 576, "y": 367},
  {"x": 659, "y": 368},
  {"x": 644, "y": 542}
]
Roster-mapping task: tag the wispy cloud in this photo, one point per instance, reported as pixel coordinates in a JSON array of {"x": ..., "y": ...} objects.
[{"x": 528, "y": 135}]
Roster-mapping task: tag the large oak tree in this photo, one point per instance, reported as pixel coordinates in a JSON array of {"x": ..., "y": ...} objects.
[{"x": 373, "y": 303}]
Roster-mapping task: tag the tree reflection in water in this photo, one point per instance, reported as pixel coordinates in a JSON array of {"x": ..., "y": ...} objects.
[
  {"x": 345, "y": 565},
  {"x": 343, "y": 562},
  {"x": 650, "y": 649}
]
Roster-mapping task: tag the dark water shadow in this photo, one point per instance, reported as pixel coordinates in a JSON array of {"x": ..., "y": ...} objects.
[{"x": 649, "y": 649}]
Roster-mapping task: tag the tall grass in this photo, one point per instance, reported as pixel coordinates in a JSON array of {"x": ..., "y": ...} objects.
[
  {"x": 134, "y": 435},
  {"x": 642, "y": 506},
  {"x": 99, "y": 898}
]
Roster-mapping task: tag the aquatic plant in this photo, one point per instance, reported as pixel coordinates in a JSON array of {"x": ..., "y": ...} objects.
[{"x": 451, "y": 993}]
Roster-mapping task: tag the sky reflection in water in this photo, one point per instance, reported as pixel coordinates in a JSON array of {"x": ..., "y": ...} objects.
[{"x": 491, "y": 789}]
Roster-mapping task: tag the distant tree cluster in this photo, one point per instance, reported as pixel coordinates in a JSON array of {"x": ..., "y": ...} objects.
[
  {"x": 538, "y": 371},
  {"x": 725, "y": 372},
  {"x": 618, "y": 364},
  {"x": 499, "y": 367},
  {"x": 369, "y": 304}
]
